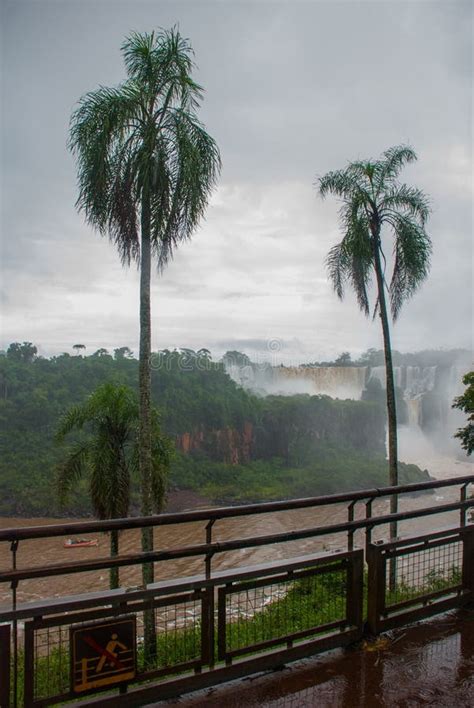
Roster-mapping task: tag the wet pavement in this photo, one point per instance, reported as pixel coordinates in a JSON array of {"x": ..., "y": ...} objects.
[{"x": 428, "y": 664}]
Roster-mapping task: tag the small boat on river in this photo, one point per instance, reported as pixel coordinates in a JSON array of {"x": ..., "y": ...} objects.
[{"x": 80, "y": 542}]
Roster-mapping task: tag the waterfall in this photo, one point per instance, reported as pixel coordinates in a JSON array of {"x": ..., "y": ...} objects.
[
  {"x": 334, "y": 381},
  {"x": 419, "y": 380},
  {"x": 343, "y": 382},
  {"x": 378, "y": 373},
  {"x": 414, "y": 412}
]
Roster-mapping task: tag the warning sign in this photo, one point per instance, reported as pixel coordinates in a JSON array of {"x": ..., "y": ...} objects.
[{"x": 103, "y": 655}]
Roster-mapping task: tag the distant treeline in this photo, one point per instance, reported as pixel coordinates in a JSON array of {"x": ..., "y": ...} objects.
[
  {"x": 232, "y": 446},
  {"x": 425, "y": 357}
]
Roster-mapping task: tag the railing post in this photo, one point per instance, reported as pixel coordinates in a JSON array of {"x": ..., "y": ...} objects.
[
  {"x": 350, "y": 533},
  {"x": 221, "y": 625},
  {"x": 29, "y": 664},
  {"x": 208, "y": 604},
  {"x": 468, "y": 558},
  {"x": 5, "y": 657},
  {"x": 355, "y": 589},
  {"x": 368, "y": 528},
  {"x": 463, "y": 511},
  {"x": 376, "y": 584},
  {"x": 14, "y": 585},
  {"x": 208, "y": 559},
  {"x": 207, "y": 627}
]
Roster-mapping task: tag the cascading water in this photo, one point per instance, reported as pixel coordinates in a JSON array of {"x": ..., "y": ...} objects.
[
  {"x": 414, "y": 411},
  {"x": 427, "y": 436},
  {"x": 334, "y": 381},
  {"x": 435, "y": 418},
  {"x": 378, "y": 373}
]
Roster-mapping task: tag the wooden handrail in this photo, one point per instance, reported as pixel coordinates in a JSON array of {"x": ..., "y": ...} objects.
[
  {"x": 204, "y": 549},
  {"x": 80, "y": 527}
]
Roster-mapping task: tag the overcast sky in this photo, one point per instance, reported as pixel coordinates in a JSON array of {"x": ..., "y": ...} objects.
[{"x": 293, "y": 89}]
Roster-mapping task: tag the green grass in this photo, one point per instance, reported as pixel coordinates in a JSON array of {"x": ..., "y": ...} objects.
[{"x": 433, "y": 581}]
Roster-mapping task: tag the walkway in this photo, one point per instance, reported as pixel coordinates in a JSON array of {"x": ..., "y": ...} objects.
[{"x": 428, "y": 664}]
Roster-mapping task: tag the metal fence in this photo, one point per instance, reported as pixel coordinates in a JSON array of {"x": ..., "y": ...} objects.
[
  {"x": 271, "y": 612},
  {"x": 221, "y": 625},
  {"x": 434, "y": 573}
]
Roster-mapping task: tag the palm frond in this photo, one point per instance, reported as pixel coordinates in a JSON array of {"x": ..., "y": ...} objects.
[
  {"x": 395, "y": 158},
  {"x": 104, "y": 478},
  {"x": 184, "y": 180},
  {"x": 106, "y": 122},
  {"x": 75, "y": 466},
  {"x": 341, "y": 183},
  {"x": 412, "y": 252},
  {"x": 137, "y": 51},
  {"x": 73, "y": 419},
  {"x": 338, "y": 267},
  {"x": 360, "y": 279},
  {"x": 405, "y": 200},
  {"x": 163, "y": 62}
]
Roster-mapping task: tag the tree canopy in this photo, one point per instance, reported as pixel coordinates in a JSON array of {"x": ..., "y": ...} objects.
[
  {"x": 465, "y": 403},
  {"x": 372, "y": 198}
]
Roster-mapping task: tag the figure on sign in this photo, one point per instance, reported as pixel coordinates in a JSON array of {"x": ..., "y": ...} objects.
[
  {"x": 103, "y": 654},
  {"x": 110, "y": 650}
]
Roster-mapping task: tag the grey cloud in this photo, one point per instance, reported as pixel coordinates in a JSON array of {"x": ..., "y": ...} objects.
[{"x": 292, "y": 90}]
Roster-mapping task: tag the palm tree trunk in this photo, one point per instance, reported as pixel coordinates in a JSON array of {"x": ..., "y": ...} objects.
[
  {"x": 114, "y": 547},
  {"x": 391, "y": 401},
  {"x": 144, "y": 452}
]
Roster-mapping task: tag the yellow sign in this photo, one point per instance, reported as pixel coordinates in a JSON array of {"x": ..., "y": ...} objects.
[{"x": 103, "y": 655}]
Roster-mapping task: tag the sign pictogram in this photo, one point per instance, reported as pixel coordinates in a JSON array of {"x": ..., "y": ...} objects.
[{"x": 103, "y": 654}]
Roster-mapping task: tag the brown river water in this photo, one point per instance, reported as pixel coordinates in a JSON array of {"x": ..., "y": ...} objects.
[{"x": 45, "y": 551}]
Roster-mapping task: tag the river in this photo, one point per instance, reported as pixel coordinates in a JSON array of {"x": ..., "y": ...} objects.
[{"x": 44, "y": 551}]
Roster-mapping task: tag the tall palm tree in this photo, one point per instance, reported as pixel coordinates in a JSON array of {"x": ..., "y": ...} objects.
[
  {"x": 372, "y": 199},
  {"x": 146, "y": 169},
  {"x": 108, "y": 455}
]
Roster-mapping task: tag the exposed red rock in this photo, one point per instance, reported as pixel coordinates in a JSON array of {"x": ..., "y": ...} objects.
[{"x": 226, "y": 445}]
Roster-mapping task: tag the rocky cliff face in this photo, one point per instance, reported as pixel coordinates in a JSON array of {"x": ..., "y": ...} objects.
[
  {"x": 296, "y": 429},
  {"x": 227, "y": 445}
]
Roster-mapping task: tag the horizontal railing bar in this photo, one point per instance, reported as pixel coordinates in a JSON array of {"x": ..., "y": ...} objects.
[
  {"x": 236, "y": 587},
  {"x": 423, "y": 546},
  {"x": 127, "y": 607},
  {"x": 423, "y": 599},
  {"x": 276, "y": 641},
  {"x": 164, "y": 587},
  {"x": 420, "y": 613},
  {"x": 76, "y": 527},
  {"x": 169, "y": 670},
  {"x": 223, "y": 546},
  {"x": 432, "y": 535}
]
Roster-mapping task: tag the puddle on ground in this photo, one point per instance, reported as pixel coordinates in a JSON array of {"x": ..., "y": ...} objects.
[{"x": 429, "y": 664}]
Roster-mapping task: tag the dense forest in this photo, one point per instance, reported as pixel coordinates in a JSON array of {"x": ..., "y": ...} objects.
[{"x": 231, "y": 446}]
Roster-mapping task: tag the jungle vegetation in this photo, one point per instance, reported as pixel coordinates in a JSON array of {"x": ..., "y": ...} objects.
[
  {"x": 302, "y": 444},
  {"x": 105, "y": 452},
  {"x": 465, "y": 403}
]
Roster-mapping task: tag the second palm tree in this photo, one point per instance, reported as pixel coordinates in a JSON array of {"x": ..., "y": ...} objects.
[{"x": 373, "y": 199}]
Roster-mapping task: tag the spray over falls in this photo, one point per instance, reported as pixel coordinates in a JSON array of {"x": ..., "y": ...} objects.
[{"x": 425, "y": 393}]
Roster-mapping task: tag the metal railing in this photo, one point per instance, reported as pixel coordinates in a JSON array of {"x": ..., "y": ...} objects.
[
  {"x": 206, "y": 622},
  {"x": 433, "y": 573}
]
